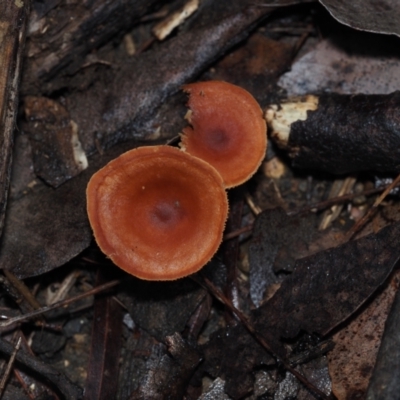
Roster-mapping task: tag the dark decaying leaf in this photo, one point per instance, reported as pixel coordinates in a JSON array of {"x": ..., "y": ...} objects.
[
  {"x": 328, "y": 287},
  {"x": 161, "y": 308},
  {"x": 170, "y": 372},
  {"x": 104, "y": 362},
  {"x": 61, "y": 36},
  {"x": 56, "y": 150},
  {"x": 45, "y": 227},
  {"x": 232, "y": 354},
  {"x": 379, "y": 16},
  {"x": 348, "y": 62},
  {"x": 276, "y": 243},
  {"x": 385, "y": 381},
  {"x": 13, "y": 19}
]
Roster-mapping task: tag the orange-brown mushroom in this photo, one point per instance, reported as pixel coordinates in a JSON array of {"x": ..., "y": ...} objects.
[
  {"x": 227, "y": 129},
  {"x": 157, "y": 212}
]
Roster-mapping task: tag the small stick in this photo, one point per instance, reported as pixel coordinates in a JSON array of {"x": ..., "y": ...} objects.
[
  {"x": 22, "y": 289},
  {"x": 361, "y": 222},
  {"x": 59, "y": 304},
  {"x": 339, "y": 199},
  {"x": 238, "y": 232},
  {"x": 315, "y": 207},
  {"x": 9, "y": 366}
]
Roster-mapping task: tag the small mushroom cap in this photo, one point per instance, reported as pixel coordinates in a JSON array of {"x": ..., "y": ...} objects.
[
  {"x": 157, "y": 212},
  {"x": 227, "y": 129}
]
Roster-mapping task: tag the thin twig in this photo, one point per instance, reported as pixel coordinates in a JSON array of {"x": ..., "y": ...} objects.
[
  {"x": 238, "y": 232},
  {"x": 9, "y": 366},
  {"x": 209, "y": 286},
  {"x": 361, "y": 222},
  {"x": 59, "y": 304},
  {"x": 316, "y": 207},
  {"x": 339, "y": 199},
  {"x": 59, "y": 381}
]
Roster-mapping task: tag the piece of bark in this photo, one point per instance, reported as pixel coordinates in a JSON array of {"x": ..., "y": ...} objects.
[
  {"x": 385, "y": 381},
  {"x": 339, "y": 133},
  {"x": 138, "y": 351},
  {"x": 57, "y": 152},
  {"x": 116, "y": 108},
  {"x": 62, "y": 34},
  {"x": 13, "y": 17}
]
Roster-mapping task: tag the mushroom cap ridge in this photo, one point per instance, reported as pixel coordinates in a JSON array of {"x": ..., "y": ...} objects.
[
  {"x": 157, "y": 212},
  {"x": 227, "y": 129}
]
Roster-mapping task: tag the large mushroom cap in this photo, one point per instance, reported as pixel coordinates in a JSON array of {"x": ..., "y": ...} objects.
[
  {"x": 157, "y": 212},
  {"x": 227, "y": 130}
]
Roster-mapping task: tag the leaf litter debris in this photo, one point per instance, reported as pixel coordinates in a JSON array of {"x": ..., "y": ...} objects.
[{"x": 291, "y": 298}]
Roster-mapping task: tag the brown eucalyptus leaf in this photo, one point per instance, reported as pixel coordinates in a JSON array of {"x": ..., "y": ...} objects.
[
  {"x": 352, "y": 360},
  {"x": 328, "y": 287},
  {"x": 385, "y": 381},
  {"x": 379, "y": 16}
]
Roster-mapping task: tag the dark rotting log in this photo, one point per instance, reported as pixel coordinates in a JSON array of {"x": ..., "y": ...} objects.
[
  {"x": 13, "y": 17},
  {"x": 339, "y": 133}
]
